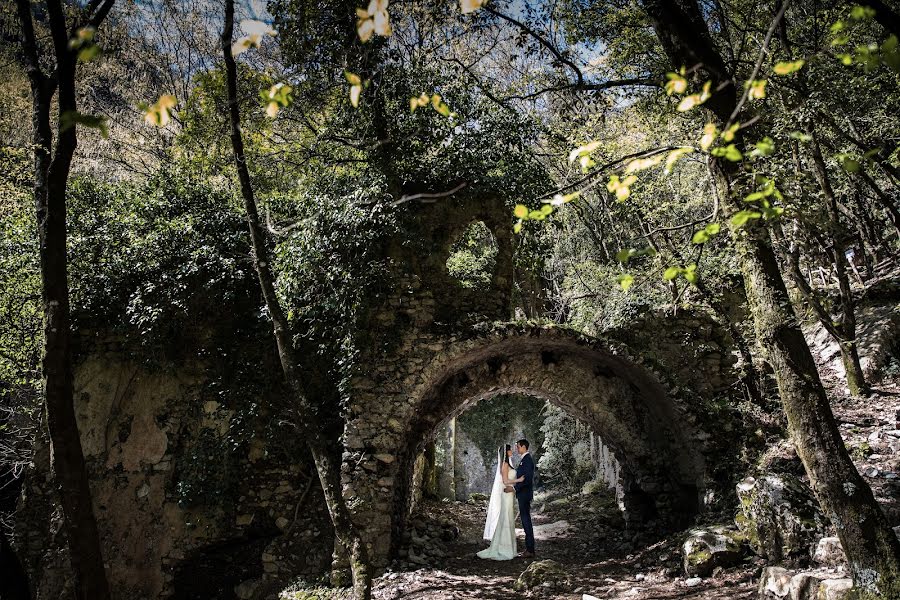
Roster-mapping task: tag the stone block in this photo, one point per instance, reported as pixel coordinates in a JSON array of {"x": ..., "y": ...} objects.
[
  {"x": 775, "y": 582},
  {"x": 835, "y": 589},
  {"x": 829, "y": 552},
  {"x": 709, "y": 547}
]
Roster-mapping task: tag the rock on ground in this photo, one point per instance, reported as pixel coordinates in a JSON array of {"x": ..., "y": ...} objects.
[
  {"x": 780, "y": 517},
  {"x": 541, "y": 573},
  {"x": 776, "y": 583},
  {"x": 709, "y": 547}
]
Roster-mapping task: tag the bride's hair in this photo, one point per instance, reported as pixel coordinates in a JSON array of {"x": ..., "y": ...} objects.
[{"x": 502, "y": 453}]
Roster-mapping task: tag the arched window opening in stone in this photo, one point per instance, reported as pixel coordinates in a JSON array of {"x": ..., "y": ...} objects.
[{"x": 473, "y": 257}]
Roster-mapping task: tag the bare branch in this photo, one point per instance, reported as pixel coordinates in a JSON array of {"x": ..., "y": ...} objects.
[{"x": 428, "y": 197}]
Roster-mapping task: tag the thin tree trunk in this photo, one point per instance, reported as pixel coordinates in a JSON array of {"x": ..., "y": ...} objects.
[
  {"x": 873, "y": 250},
  {"x": 51, "y": 174},
  {"x": 327, "y": 466},
  {"x": 884, "y": 200},
  {"x": 872, "y": 549},
  {"x": 856, "y": 381}
]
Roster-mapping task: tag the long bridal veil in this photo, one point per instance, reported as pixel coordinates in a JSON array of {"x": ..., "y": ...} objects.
[{"x": 493, "y": 512}]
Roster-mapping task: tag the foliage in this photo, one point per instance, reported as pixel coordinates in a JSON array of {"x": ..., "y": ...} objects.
[
  {"x": 565, "y": 462},
  {"x": 473, "y": 257},
  {"x": 140, "y": 254},
  {"x": 20, "y": 305}
]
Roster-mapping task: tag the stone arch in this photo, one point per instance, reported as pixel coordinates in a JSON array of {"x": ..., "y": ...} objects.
[{"x": 595, "y": 380}]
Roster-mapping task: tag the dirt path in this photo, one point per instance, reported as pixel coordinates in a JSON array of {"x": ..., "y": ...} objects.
[{"x": 583, "y": 535}]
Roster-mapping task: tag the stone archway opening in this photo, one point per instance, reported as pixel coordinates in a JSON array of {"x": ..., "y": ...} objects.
[
  {"x": 661, "y": 476},
  {"x": 645, "y": 411},
  {"x": 460, "y": 460}
]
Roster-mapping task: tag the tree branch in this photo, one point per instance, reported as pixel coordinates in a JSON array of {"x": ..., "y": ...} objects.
[
  {"x": 541, "y": 40},
  {"x": 606, "y": 167}
]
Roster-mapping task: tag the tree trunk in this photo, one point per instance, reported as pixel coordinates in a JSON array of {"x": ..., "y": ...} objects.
[
  {"x": 327, "y": 466},
  {"x": 856, "y": 381},
  {"x": 51, "y": 174},
  {"x": 15, "y": 581},
  {"x": 872, "y": 549}
]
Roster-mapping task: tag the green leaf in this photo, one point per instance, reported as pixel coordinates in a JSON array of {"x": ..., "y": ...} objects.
[
  {"x": 691, "y": 275},
  {"x": 754, "y": 197},
  {"x": 625, "y": 280},
  {"x": 851, "y": 166},
  {"x": 71, "y": 118},
  {"x": 800, "y": 136},
  {"x": 712, "y": 228},
  {"x": 521, "y": 211},
  {"x": 674, "y": 156},
  {"x": 740, "y": 218},
  {"x": 671, "y": 273},
  {"x": 517, "y": 228},
  {"x": 764, "y": 147},
  {"x": 582, "y": 151},
  {"x": 623, "y": 255},
  {"x": 700, "y": 237},
  {"x": 786, "y": 68},
  {"x": 862, "y": 13},
  {"x": 728, "y": 134},
  {"x": 676, "y": 84},
  {"x": 88, "y": 53},
  {"x": 730, "y": 152},
  {"x": 757, "y": 89}
]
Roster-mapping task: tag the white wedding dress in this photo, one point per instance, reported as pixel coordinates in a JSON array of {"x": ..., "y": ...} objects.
[{"x": 500, "y": 526}]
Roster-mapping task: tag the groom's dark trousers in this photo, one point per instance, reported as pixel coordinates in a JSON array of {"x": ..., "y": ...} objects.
[{"x": 524, "y": 494}]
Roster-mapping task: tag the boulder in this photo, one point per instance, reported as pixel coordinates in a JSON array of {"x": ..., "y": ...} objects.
[
  {"x": 835, "y": 589},
  {"x": 246, "y": 589},
  {"x": 541, "y": 573},
  {"x": 829, "y": 552},
  {"x": 775, "y": 582},
  {"x": 805, "y": 586},
  {"x": 779, "y": 517},
  {"x": 709, "y": 547}
]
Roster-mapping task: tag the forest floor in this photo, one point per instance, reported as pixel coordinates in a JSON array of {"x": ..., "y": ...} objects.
[
  {"x": 585, "y": 535},
  {"x": 577, "y": 534}
]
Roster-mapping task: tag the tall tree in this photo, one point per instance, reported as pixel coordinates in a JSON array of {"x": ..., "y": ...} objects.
[
  {"x": 52, "y": 163},
  {"x": 327, "y": 463},
  {"x": 872, "y": 549}
]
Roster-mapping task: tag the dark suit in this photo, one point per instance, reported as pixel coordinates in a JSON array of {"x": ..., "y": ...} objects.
[{"x": 524, "y": 494}]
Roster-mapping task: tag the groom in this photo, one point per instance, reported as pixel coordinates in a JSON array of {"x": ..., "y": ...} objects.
[{"x": 524, "y": 493}]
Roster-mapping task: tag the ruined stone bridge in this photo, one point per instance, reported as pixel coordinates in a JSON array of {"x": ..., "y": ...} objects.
[
  {"x": 395, "y": 411},
  {"x": 197, "y": 488}
]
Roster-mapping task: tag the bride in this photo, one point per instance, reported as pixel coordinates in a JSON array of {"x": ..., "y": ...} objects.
[{"x": 500, "y": 525}]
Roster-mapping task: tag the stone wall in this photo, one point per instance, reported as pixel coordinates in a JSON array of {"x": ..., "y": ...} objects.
[
  {"x": 659, "y": 437},
  {"x": 468, "y": 445},
  {"x": 192, "y": 497}
]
